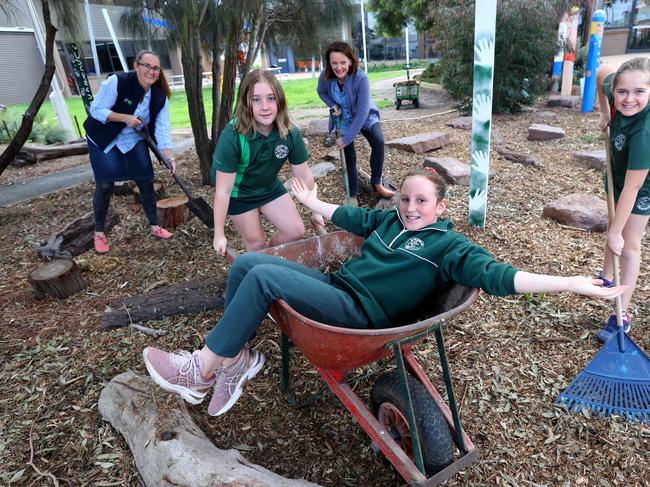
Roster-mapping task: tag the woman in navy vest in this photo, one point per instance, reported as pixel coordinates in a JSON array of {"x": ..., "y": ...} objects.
[
  {"x": 117, "y": 153},
  {"x": 346, "y": 89}
]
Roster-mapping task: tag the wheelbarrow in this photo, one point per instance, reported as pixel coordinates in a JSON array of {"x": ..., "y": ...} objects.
[
  {"x": 408, "y": 420},
  {"x": 407, "y": 90}
]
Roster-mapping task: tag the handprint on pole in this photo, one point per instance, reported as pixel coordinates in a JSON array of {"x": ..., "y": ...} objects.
[{"x": 484, "y": 42}]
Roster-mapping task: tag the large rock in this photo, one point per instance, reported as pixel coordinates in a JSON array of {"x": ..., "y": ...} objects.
[
  {"x": 317, "y": 128},
  {"x": 464, "y": 123},
  {"x": 538, "y": 131},
  {"x": 420, "y": 143},
  {"x": 322, "y": 169},
  {"x": 563, "y": 101},
  {"x": 333, "y": 155},
  {"x": 595, "y": 159},
  {"x": 579, "y": 210},
  {"x": 452, "y": 170}
]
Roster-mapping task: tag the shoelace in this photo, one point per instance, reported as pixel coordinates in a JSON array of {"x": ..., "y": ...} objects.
[{"x": 186, "y": 365}]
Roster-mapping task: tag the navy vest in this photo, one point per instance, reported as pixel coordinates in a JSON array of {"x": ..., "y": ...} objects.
[{"x": 129, "y": 95}]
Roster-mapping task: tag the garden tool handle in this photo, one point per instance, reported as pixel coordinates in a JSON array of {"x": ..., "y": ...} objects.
[
  {"x": 611, "y": 213},
  {"x": 144, "y": 133}
]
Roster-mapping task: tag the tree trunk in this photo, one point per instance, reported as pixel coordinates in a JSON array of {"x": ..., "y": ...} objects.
[
  {"x": 37, "y": 152},
  {"x": 216, "y": 84},
  {"x": 192, "y": 73},
  {"x": 60, "y": 279},
  {"x": 168, "y": 447},
  {"x": 172, "y": 212},
  {"x": 229, "y": 75},
  {"x": 25, "y": 128},
  {"x": 195, "y": 296}
]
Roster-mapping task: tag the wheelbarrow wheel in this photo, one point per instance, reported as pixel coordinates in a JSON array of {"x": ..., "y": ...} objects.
[
  {"x": 398, "y": 104},
  {"x": 416, "y": 103},
  {"x": 389, "y": 407}
]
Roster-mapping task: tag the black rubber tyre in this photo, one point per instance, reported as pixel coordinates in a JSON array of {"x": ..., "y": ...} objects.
[
  {"x": 416, "y": 103},
  {"x": 386, "y": 403},
  {"x": 398, "y": 104}
]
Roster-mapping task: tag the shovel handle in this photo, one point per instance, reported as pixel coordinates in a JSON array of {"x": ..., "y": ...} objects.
[{"x": 611, "y": 213}]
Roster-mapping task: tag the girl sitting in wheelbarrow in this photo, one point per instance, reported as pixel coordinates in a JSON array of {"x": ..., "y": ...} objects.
[{"x": 408, "y": 253}]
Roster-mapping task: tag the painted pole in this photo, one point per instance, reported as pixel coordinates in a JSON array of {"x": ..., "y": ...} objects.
[
  {"x": 570, "y": 53},
  {"x": 363, "y": 36},
  {"x": 593, "y": 59},
  {"x": 484, "y": 38},
  {"x": 558, "y": 60}
]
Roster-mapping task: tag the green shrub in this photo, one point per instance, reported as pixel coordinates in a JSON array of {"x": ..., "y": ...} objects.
[
  {"x": 526, "y": 39},
  {"x": 43, "y": 132},
  {"x": 432, "y": 74},
  {"x": 55, "y": 134}
]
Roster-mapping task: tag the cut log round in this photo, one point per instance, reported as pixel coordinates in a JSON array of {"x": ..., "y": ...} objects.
[
  {"x": 122, "y": 188},
  {"x": 59, "y": 279},
  {"x": 173, "y": 212},
  {"x": 158, "y": 188}
]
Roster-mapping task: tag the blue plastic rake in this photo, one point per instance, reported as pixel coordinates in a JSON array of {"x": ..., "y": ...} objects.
[
  {"x": 617, "y": 380},
  {"x": 614, "y": 382}
]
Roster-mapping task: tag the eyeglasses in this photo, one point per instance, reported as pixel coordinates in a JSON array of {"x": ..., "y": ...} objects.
[{"x": 149, "y": 67}]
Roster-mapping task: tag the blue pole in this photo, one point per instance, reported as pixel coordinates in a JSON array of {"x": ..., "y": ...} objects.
[{"x": 593, "y": 59}]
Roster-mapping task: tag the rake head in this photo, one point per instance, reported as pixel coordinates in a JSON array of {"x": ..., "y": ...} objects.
[{"x": 614, "y": 382}]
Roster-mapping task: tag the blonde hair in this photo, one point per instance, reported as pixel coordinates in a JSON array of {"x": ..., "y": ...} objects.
[
  {"x": 635, "y": 64},
  {"x": 162, "y": 79},
  {"x": 245, "y": 123}
]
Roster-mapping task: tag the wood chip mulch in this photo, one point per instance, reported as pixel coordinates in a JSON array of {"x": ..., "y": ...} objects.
[{"x": 510, "y": 357}]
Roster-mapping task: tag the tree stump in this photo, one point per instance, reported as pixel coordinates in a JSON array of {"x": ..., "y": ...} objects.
[
  {"x": 59, "y": 279},
  {"x": 122, "y": 188},
  {"x": 158, "y": 188},
  {"x": 172, "y": 212}
]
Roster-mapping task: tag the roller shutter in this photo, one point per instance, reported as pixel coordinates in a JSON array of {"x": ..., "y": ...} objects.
[{"x": 21, "y": 67}]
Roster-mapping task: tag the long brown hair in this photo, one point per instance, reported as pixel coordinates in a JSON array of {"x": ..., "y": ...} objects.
[
  {"x": 345, "y": 49},
  {"x": 245, "y": 123},
  {"x": 162, "y": 79}
]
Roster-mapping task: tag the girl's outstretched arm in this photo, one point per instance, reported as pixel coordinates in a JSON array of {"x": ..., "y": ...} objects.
[
  {"x": 309, "y": 198},
  {"x": 526, "y": 282}
]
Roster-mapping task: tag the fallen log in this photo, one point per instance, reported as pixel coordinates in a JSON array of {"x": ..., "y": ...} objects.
[
  {"x": 76, "y": 238},
  {"x": 191, "y": 297},
  {"x": 60, "y": 279},
  {"x": 366, "y": 187},
  {"x": 158, "y": 188},
  {"x": 36, "y": 152},
  {"x": 168, "y": 447},
  {"x": 512, "y": 156}
]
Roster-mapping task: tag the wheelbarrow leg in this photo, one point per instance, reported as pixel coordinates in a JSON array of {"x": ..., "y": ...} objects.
[
  {"x": 285, "y": 380},
  {"x": 410, "y": 413}
]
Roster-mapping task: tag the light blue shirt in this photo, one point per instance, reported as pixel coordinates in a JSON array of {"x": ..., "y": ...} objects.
[
  {"x": 100, "y": 109},
  {"x": 338, "y": 95}
]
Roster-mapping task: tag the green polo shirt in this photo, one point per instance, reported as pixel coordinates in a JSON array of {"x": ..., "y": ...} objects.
[
  {"x": 257, "y": 175},
  {"x": 630, "y": 140}
]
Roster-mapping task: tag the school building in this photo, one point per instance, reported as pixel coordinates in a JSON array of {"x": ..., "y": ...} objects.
[{"x": 627, "y": 26}]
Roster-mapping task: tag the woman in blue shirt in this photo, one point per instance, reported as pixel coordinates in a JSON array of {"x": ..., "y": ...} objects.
[
  {"x": 117, "y": 152},
  {"x": 346, "y": 89}
]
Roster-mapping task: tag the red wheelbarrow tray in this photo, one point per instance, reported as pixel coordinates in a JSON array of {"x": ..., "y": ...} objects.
[{"x": 334, "y": 351}]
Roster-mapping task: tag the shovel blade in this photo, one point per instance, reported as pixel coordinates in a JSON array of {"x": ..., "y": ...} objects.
[{"x": 203, "y": 210}]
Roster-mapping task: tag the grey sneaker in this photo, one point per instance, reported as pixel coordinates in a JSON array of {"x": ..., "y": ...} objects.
[
  {"x": 178, "y": 372},
  {"x": 230, "y": 381}
]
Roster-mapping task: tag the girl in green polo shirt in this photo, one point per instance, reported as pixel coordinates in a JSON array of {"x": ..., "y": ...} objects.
[
  {"x": 623, "y": 95},
  {"x": 408, "y": 253},
  {"x": 250, "y": 152}
]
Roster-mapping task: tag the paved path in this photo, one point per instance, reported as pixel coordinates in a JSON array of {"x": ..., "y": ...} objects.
[{"x": 12, "y": 194}]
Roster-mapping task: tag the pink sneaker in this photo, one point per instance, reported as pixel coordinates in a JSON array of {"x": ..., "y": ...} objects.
[
  {"x": 179, "y": 373},
  {"x": 101, "y": 244},
  {"x": 230, "y": 380},
  {"x": 160, "y": 232}
]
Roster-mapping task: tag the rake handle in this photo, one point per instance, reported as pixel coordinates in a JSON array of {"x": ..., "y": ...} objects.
[{"x": 611, "y": 213}]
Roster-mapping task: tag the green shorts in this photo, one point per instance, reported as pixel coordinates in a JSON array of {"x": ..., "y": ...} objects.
[
  {"x": 642, "y": 203},
  {"x": 239, "y": 205}
]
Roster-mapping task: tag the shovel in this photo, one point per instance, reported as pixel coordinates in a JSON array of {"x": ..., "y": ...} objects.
[
  {"x": 337, "y": 125},
  {"x": 198, "y": 206}
]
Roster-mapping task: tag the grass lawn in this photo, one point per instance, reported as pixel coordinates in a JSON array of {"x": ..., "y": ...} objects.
[{"x": 300, "y": 93}]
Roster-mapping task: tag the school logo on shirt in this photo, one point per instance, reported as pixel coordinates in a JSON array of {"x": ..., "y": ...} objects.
[
  {"x": 281, "y": 151},
  {"x": 643, "y": 203},
  {"x": 619, "y": 142},
  {"x": 414, "y": 243}
]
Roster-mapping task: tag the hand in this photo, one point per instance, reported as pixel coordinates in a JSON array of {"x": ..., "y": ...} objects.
[
  {"x": 484, "y": 51},
  {"x": 318, "y": 223},
  {"x": 302, "y": 192},
  {"x": 336, "y": 111},
  {"x": 132, "y": 121},
  {"x": 593, "y": 287},
  {"x": 339, "y": 143},
  {"x": 603, "y": 123},
  {"x": 220, "y": 243},
  {"x": 167, "y": 153},
  {"x": 615, "y": 242}
]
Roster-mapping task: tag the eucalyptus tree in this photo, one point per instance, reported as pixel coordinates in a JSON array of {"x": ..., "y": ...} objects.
[{"x": 68, "y": 19}]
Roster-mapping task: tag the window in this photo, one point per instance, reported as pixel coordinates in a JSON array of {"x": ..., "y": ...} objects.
[
  {"x": 640, "y": 34},
  {"x": 618, "y": 13}
]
